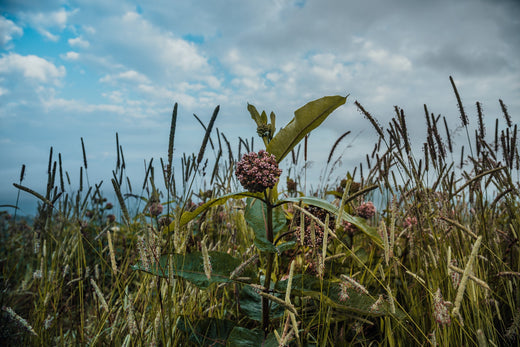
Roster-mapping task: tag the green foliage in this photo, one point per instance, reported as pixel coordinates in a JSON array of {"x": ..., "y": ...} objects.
[
  {"x": 359, "y": 222},
  {"x": 191, "y": 267},
  {"x": 251, "y": 306},
  {"x": 438, "y": 263},
  {"x": 306, "y": 119},
  {"x": 256, "y": 217},
  {"x": 188, "y": 216}
]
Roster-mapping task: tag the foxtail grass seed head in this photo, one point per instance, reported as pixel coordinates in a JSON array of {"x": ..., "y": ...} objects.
[
  {"x": 206, "y": 259},
  {"x": 506, "y": 114},
  {"x": 19, "y": 320},
  {"x": 129, "y": 308},
  {"x": 376, "y": 306},
  {"x": 463, "y": 115},
  {"x": 440, "y": 309},
  {"x": 48, "y": 322},
  {"x": 349, "y": 282},
  {"x": 112, "y": 253},
  {"x": 99, "y": 295},
  {"x": 143, "y": 253},
  {"x": 257, "y": 172}
]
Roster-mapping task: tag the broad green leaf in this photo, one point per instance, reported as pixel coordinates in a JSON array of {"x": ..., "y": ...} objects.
[
  {"x": 255, "y": 215},
  {"x": 206, "y": 332},
  {"x": 359, "y": 222},
  {"x": 251, "y": 305},
  {"x": 243, "y": 337},
  {"x": 191, "y": 267},
  {"x": 190, "y": 215},
  {"x": 328, "y": 292},
  {"x": 306, "y": 118}
]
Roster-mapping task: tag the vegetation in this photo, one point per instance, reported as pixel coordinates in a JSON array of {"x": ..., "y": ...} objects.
[{"x": 435, "y": 261}]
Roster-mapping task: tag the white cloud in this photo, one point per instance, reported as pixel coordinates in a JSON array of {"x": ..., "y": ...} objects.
[
  {"x": 386, "y": 59},
  {"x": 8, "y": 29},
  {"x": 126, "y": 76},
  {"x": 78, "y": 42},
  {"x": 66, "y": 105},
  {"x": 31, "y": 67},
  {"x": 44, "y": 22},
  {"x": 141, "y": 46},
  {"x": 70, "y": 56}
]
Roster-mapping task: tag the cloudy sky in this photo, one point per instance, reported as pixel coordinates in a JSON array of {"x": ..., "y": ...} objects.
[{"x": 72, "y": 69}]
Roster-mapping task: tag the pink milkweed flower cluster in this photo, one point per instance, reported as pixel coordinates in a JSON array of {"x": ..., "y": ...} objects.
[
  {"x": 257, "y": 172},
  {"x": 410, "y": 222},
  {"x": 366, "y": 210},
  {"x": 156, "y": 209}
]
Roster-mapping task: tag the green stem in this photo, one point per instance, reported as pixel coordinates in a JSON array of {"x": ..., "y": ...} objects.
[{"x": 269, "y": 269}]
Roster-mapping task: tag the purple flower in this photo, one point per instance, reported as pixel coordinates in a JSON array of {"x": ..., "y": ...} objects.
[
  {"x": 257, "y": 172},
  {"x": 366, "y": 210}
]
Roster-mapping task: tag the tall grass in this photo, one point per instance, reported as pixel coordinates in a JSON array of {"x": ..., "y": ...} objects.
[{"x": 445, "y": 272}]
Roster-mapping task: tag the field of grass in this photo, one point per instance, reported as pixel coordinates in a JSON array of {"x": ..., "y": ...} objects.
[{"x": 434, "y": 263}]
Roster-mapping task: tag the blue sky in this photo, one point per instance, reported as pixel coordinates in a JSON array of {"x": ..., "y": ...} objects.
[{"x": 91, "y": 68}]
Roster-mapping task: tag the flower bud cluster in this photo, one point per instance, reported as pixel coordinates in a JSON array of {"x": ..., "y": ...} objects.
[
  {"x": 366, "y": 210},
  {"x": 257, "y": 172},
  {"x": 156, "y": 209}
]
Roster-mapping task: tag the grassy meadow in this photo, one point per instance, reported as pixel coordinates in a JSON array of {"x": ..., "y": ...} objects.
[{"x": 198, "y": 260}]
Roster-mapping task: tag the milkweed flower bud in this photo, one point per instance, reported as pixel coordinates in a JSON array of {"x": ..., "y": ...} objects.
[
  {"x": 366, "y": 210},
  {"x": 257, "y": 172}
]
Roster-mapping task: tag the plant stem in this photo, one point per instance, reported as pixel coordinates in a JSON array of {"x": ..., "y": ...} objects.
[{"x": 269, "y": 269}]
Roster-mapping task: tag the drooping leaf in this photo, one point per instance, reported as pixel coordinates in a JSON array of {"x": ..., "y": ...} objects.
[
  {"x": 206, "y": 332},
  {"x": 306, "y": 118},
  {"x": 255, "y": 215},
  {"x": 251, "y": 305},
  {"x": 190, "y": 215},
  {"x": 191, "y": 267},
  {"x": 359, "y": 222}
]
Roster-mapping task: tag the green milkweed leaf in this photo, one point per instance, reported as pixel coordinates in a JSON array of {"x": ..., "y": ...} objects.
[
  {"x": 256, "y": 217},
  {"x": 306, "y": 118},
  {"x": 191, "y": 267},
  {"x": 328, "y": 292},
  {"x": 359, "y": 222},
  {"x": 190, "y": 215}
]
